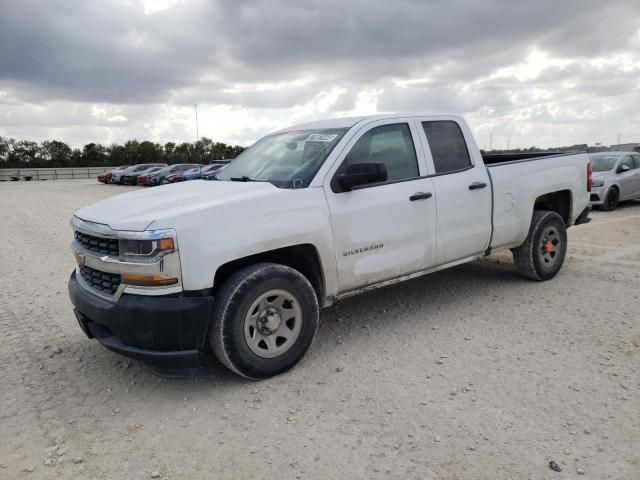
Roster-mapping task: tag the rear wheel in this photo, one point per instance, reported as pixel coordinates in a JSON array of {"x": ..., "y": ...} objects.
[
  {"x": 265, "y": 319},
  {"x": 611, "y": 200},
  {"x": 541, "y": 256}
]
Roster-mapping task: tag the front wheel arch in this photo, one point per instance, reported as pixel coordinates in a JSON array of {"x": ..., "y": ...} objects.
[
  {"x": 302, "y": 257},
  {"x": 606, "y": 204}
]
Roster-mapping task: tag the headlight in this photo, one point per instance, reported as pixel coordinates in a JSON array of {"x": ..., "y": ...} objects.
[
  {"x": 146, "y": 248},
  {"x": 150, "y": 247},
  {"x": 598, "y": 183}
]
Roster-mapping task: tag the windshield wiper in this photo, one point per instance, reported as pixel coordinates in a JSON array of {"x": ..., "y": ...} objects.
[{"x": 243, "y": 178}]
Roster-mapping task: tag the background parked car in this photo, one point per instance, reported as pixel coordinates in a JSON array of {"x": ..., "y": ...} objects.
[
  {"x": 117, "y": 175},
  {"x": 215, "y": 169},
  {"x": 160, "y": 176},
  {"x": 143, "y": 178},
  {"x": 131, "y": 178},
  {"x": 193, "y": 174},
  {"x": 616, "y": 177},
  {"x": 198, "y": 173},
  {"x": 178, "y": 176},
  {"x": 106, "y": 177}
]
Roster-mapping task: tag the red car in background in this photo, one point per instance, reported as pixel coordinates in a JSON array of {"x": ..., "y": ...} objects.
[
  {"x": 104, "y": 177},
  {"x": 143, "y": 180},
  {"x": 178, "y": 176},
  {"x": 173, "y": 178}
]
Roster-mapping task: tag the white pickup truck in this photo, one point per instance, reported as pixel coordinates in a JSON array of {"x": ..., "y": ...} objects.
[{"x": 305, "y": 217}]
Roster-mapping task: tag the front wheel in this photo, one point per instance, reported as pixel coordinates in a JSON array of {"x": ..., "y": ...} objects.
[
  {"x": 542, "y": 254},
  {"x": 265, "y": 319},
  {"x": 611, "y": 200}
]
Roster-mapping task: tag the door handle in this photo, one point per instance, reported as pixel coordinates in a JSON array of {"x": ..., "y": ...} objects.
[
  {"x": 420, "y": 196},
  {"x": 477, "y": 185}
]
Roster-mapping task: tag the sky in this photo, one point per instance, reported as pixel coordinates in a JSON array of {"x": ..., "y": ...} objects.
[{"x": 544, "y": 73}]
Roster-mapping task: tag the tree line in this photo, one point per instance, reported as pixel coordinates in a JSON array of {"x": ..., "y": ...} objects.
[{"x": 57, "y": 154}]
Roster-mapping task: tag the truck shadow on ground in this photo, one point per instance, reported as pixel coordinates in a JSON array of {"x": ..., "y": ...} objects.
[
  {"x": 370, "y": 313},
  {"x": 376, "y": 313}
]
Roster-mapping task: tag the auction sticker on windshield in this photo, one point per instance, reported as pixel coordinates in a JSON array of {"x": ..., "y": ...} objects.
[{"x": 321, "y": 137}]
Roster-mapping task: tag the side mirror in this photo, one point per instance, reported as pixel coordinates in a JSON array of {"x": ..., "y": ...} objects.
[
  {"x": 362, "y": 174},
  {"x": 623, "y": 168}
]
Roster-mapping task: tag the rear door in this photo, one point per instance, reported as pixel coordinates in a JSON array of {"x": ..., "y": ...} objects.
[
  {"x": 462, "y": 189},
  {"x": 383, "y": 230}
]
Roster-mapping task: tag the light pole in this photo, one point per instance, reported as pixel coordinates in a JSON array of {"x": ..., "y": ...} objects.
[{"x": 197, "y": 134}]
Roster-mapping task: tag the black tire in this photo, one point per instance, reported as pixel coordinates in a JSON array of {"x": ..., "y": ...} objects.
[
  {"x": 231, "y": 309},
  {"x": 611, "y": 200},
  {"x": 541, "y": 256}
]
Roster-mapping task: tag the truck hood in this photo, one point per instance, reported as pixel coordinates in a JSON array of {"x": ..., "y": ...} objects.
[{"x": 137, "y": 210}]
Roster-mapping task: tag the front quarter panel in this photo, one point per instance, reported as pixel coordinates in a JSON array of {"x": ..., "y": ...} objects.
[{"x": 211, "y": 237}]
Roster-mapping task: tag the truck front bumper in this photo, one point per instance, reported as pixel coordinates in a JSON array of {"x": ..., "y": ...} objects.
[{"x": 165, "y": 332}]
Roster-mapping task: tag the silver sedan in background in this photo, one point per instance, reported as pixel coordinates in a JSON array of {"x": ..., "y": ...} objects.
[{"x": 616, "y": 177}]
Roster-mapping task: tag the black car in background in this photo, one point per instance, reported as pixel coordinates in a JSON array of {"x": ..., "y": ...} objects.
[
  {"x": 159, "y": 177},
  {"x": 210, "y": 171},
  {"x": 131, "y": 178},
  {"x": 118, "y": 175}
]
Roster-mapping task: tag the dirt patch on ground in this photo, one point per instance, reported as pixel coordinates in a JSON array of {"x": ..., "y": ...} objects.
[{"x": 471, "y": 372}]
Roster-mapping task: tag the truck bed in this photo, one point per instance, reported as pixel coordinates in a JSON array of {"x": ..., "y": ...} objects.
[
  {"x": 492, "y": 159},
  {"x": 519, "y": 180}
]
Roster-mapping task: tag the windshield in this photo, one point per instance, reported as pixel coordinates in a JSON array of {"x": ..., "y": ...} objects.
[
  {"x": 288, "y": 160},
  {"x": 603, "y": 163}
]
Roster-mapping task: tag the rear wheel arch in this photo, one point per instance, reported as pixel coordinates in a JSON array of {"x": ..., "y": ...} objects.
[{"x": 560, "y": 202}]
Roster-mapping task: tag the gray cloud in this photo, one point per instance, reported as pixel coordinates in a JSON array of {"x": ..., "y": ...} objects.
[{"x": 71, "y": 52}]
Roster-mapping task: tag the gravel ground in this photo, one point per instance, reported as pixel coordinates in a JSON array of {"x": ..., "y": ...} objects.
[{"x": 471, "y": 372}]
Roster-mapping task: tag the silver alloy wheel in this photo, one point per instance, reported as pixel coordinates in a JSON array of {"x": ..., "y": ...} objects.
[
  {"x": 550, "y": 246},
  {"x": 273, "y": 323}
]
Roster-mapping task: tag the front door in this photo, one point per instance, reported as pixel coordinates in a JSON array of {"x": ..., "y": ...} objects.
[
  {"x": 386, "y": 230},
  {"x": 629, "y": 180}
]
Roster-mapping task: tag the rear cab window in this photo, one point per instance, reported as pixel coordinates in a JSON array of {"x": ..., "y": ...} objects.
[{"x": 448, "y": 146}]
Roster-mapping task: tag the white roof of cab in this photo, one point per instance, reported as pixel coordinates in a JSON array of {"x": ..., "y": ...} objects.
[{"x": 349, "y": 122}]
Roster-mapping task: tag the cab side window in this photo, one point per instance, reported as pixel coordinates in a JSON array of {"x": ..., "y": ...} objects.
[
  {"x": 391, "y": 145},
  {"x": 448, "y": 146}
]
